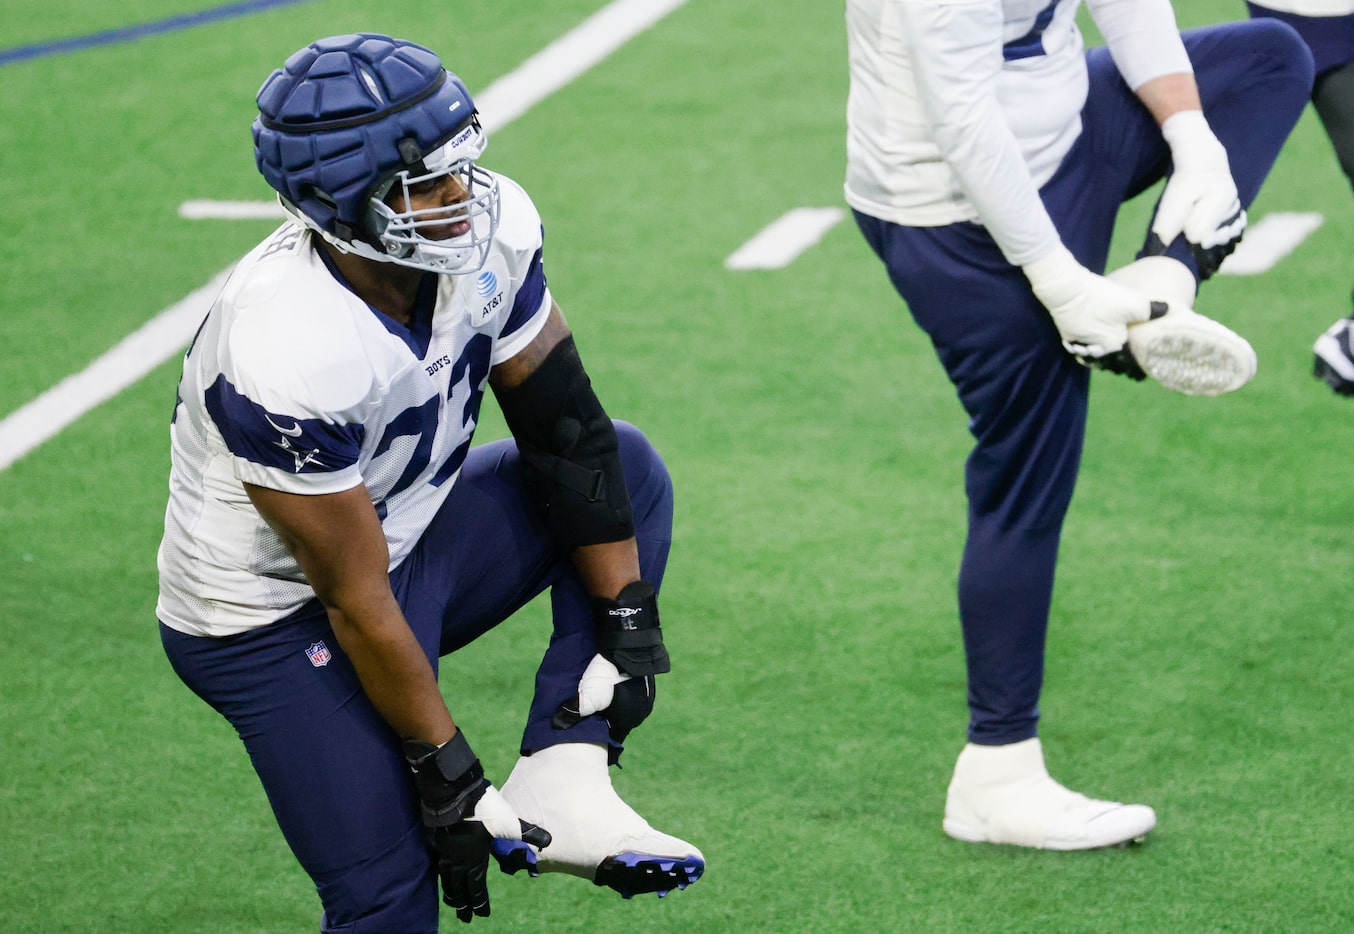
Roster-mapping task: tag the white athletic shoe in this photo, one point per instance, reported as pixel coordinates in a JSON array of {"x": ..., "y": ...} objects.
[
  {"x": 594, "y": 834},
  {"x": 1183, "y": 350},
  {"x": 1003, "y": 794}
]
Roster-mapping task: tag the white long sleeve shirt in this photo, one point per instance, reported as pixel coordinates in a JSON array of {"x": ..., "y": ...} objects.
[{"x": 959, "y": 110}]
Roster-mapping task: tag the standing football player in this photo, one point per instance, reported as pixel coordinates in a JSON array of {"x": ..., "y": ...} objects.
[
  {"x": 1327, "y": 26},
  {"x": 988, "y": 154},
  {"x": 331, "y": 533}
]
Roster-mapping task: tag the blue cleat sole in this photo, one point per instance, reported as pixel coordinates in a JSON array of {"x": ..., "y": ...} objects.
[
  {"x": 513, "y": 856},
  {"x": 633, "y": 874}
]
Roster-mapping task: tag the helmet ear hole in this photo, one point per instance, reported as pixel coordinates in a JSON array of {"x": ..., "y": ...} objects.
[
  {"x": 341, "y": 230},
  {"x": 409, "y": 151}
]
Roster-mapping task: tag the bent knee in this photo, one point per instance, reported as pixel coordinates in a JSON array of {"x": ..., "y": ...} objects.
[
  {"x": 646, "y": 475},
  {"x": 1283, "y": 44}
]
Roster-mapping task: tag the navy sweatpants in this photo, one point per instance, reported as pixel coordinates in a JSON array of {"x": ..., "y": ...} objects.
[
  {"x": 1025, "y": 397},
  {"x": 1331, "y": 39},
  {"x": 330, "y": 765}
]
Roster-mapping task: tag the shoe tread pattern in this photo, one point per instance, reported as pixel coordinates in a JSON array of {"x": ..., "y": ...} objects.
[{"x": 633, "y": 874}]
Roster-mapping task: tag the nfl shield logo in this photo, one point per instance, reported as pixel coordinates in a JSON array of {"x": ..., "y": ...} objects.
[{"x": 318, "y": 654}]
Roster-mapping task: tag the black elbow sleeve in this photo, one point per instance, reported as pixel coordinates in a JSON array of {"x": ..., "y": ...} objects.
[{"x": 571, "y": 462}]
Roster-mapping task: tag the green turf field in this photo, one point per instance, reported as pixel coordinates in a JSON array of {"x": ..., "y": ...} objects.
[{"x": 1199, "y": 658}]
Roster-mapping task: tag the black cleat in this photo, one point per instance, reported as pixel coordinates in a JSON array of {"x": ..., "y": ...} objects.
[{"x": 1333, "y": 361}]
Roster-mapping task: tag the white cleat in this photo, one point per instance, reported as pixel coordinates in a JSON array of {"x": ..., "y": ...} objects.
[
  {"x": 1004, "y": 794},
  {"x": 594, "y": 834},
  {"x": 1182, "y": 349}
]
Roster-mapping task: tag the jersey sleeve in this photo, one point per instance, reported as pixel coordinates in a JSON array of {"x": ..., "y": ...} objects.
[
  {"x": 288, "y": 398},
  {"x": 295, "y": 453},
  {"x": 1143, "y": 38},
  {"x": 523, "y": 235},
  {"x": 956, "y": 49}
]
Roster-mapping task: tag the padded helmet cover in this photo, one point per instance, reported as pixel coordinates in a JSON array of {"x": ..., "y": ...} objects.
[{"x": 345, "y": 114}]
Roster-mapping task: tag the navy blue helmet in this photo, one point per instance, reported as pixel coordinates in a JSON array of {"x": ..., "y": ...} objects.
[{"x": 348, "y": 118}]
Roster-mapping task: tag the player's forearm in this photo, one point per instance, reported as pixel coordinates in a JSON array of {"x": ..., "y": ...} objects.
[
  {"x": 608, "y": 567},
  {"x": 353, "y": 585},
  {"x": 1143, "y": 38},
  {"x": 341, "y": 547},
  {"x": 956, "y": 56},
  {"x": 1168, "y": 95},
  {"x": 394, "y": 672}
]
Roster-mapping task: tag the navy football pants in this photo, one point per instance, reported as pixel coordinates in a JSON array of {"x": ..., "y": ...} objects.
[
  {"x": 330, "y": 765},
  {"x": 1331, "y": 39},
  {"x": 1025, "y": 396}
]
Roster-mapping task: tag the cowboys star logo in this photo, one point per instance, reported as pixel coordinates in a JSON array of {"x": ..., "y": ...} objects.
[{"x": 302, "y": 458}]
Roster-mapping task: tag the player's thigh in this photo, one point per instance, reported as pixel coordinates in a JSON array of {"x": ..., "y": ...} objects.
[
  {"x": 976, "y": 307},
  {"x": 1333, "y": 97},
  {"x": 1025, "y": 395},
  {"x": 1330, "y": 38},
  {"x": 484, "y": 555},
  {"x": 1254, "y": 78},
  {"x": 487, "y": 552},
  {"x": 1119, "y": 153},
  {"x": 330, "y": 766}
]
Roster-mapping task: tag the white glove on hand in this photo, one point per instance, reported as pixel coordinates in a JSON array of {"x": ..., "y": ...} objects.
[
  {"x": 1092, "y": 313},
  {"x": 597, "y": 687},
  {"x": 1200, "y": 199}
]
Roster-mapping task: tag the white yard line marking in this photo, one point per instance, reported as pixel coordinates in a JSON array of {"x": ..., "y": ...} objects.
[
  {"x": 133, "y": 357},
  {"x": 1267, "y": 241},
  {"x": 170, "y": 331},
  {"x": 503, "y": 101},
  {"x": 567, "y": 58},
  {"x": 780, "y": 242},
  {"x": 231, "y": 210}
]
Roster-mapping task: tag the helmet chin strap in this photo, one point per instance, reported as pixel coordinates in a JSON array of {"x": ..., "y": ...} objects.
[{"x": 358, "y": 247}]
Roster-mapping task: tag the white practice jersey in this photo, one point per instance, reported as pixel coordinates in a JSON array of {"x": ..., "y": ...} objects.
[
  {"x": 1310, "y": 7},
  {"x": 959, "y": 110},
  {"x": 296, "y": 384}
]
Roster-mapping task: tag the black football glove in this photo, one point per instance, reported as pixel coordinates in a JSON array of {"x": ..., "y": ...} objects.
[
  {"x": 1207, "y": 258},
  {"x": 619, "y": 682},
  {"x": 462, "y": 814}
]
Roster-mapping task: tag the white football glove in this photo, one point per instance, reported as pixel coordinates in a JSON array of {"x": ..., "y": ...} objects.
[
  {"x": 1200, "y": 199},
  {"x": 1092, "y": 313}
]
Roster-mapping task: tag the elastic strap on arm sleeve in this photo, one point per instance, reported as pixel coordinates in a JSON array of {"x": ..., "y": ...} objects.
[{"x": 571, "y": 463}]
